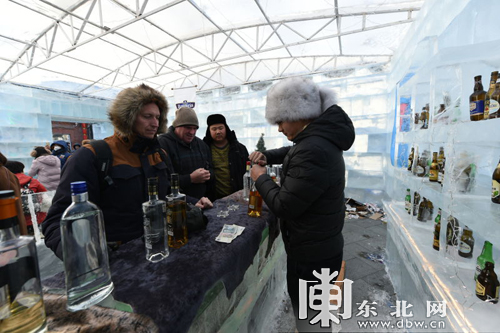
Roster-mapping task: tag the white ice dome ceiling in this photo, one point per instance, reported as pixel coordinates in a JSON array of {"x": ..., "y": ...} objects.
[{"x": 97, "y": 47}]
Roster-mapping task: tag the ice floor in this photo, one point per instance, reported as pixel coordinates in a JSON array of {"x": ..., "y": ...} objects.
[{"x": 364, "y": 253}]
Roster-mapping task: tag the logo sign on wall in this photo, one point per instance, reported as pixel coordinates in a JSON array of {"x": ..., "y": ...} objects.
[{"x": 185, "y": 97}]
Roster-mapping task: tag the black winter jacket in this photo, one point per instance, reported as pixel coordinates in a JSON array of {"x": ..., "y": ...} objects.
[
  {"x": 238, "y": 157},
  {"x": 310, "y": 201},
  {"x": 121, "y": 203},
  {"x": 185, "y": 159}
]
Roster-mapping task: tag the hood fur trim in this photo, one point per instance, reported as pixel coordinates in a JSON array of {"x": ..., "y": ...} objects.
[
  {"x": 129, "y": 102},
  {"x": 297, "y": 98}
]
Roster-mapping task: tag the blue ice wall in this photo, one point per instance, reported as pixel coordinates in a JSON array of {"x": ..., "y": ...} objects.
[{"x": 26, "y": 114}]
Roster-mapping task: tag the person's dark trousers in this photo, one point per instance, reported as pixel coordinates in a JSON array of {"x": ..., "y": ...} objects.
[{"x": 300, "y": 270}]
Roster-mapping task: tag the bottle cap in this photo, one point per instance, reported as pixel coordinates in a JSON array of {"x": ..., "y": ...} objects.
[
  {"x": 248, "y": 162},
  {"x": 78, "y": 187},
  {"x": 7, "y": 194}
]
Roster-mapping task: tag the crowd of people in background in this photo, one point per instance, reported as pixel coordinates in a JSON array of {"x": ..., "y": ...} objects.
[{"x": 309, "y": 201}]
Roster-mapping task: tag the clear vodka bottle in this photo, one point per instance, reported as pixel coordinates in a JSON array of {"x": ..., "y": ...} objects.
[
  {"x": 247, "y": 183},
  {"x": 85, "y": 254},
  {"x": 155, "y": 224},
  {"x": 21, "y": 299}
]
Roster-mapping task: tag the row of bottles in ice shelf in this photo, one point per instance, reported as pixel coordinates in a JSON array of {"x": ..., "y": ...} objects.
[
  {"x": 21, "y": 299},
  {"x": 487, "y": 285},
  {"x": 422, "y": 166},
  {"x": 485, "y": 104},
  {"x": 464, "y": 173},
  {"x": 250, "y": 192}
]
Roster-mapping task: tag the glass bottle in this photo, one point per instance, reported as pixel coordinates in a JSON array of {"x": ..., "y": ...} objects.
[
  {"x": 487, "y": 284},
  {"x": 422, "y": 208},
  {"x": 416, "y": 200},
  {"x": 255, "y": 203},
  {"x": 494, "y": 102},
  {"x": 410, "y": 158},
  {"x": 422, "y": 164},
  {"x": 493, "y": 80},
  {"x": 176, "y": 215},
  {"x": 437, "y": 230},
  {"x": 441, "y": 163},
  {"x": 495, "y": 185},
  {"x": 430, "y": 210},
  {"x": 155, "y": 224},
  {"x": 477, "y": 100},
  {"x": 466, "y": 246},
  {"x": 486, "y": 255},
  {"x": 247, "y": 183},
  {"x": 434, "y": 169},
  {"x": 21, "y": 299},
  {"x": 408, "y": 201},
  {"x": 85, "y": 253},
  {"x": 452, "y": 230}
]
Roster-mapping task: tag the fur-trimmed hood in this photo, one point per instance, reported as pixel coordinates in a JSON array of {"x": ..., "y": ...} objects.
[
  {"x": 297, "y": 98},
  {"x": 129, "y": 102}
]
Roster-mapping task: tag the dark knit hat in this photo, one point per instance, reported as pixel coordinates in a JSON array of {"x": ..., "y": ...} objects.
[
  {"x": 15, "y": 166},
  {"x": 216, "y": 119},
  {"x": 185, "y": 117}
]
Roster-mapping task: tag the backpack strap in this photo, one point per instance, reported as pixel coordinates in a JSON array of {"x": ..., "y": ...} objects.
[{"x": 105, "y": 161}]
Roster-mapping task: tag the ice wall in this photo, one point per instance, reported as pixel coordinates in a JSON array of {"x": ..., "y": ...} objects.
[
  {"x": 362, "y": 94},
  {"x": 26, "y": 114},
  {"x": 452, "y": 42}
]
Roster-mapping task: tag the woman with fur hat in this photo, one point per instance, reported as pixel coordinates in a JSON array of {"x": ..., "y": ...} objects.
[
  {"x": 310, "y": 201},
  {"x": 47, "y": 167},
  {"x": 138, "y": 115}
]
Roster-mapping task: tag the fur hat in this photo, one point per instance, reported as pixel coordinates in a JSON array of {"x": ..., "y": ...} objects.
[
  {"x": 129, "y": 102},
  {"x": 216, "y": 119},
  {"x": 185, "y": 117},
  {"x": 297, "y": 98}
]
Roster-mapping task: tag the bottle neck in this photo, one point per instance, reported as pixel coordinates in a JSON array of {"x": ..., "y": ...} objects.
[
  {"x": 487, "y": 250},
  {"x": 80, "y": 197},
  {"x": 10, "y": 232},
  {"x": 175, "y": 190},
  {"x": 153, "y": 192}
]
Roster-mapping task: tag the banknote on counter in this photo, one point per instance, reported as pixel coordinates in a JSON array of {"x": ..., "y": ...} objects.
[{"x": 229, "y": 232}]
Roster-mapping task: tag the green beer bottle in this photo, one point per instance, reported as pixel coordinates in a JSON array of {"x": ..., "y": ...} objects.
[{"x": 486, "y": 255}]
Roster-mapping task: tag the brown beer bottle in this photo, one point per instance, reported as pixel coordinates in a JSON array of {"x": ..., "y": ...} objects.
[
  {"x": 477, "y": 100},
  {"x": 493, "y": 80},
  {"x": 410, "y": 158},
  {"x": 434, "y": 170},
  {"x": 495, "y": 186},
  {"x": 495, "y": 102},
  {"x": 466, "y": 246},
  {"x": 487, "y": 284}
]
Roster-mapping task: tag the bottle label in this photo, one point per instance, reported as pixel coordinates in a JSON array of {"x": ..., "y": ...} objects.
[
  {"x": 496, "y": 293},
  {"x": 436, "y": 243},
  {"x": 420, "y": 170},
  {"x": 494, "y": 106},
  {"x": 477, "y": 107},
  {"x": 408, "y": 205},
  {"x": 480, "y": 289},
  {"x": 495, "y": 189},
  {"x": 440, "y": 177},
  {"x": 433, "y": 175},
  {"x": 464, "y": 247},
  {"x": 478, "y": 271},
  {"x": 251, "y": 206}
]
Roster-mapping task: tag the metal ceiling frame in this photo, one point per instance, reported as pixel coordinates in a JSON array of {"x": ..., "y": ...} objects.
[{"x": 44, "y": 43}]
